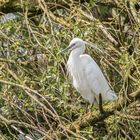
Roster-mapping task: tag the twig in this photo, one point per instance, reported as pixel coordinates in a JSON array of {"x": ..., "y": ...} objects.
[
  {"x": 100, "y": 26},
  {"x": 28, "y": 90},
  {"x": 49, "y": 13},
  {"x": 94, "y": 117},
  {"x": 14, "y": 122},
  {"x": 22, "y": 133},
  {"x": 12, "y": 61},
  {"x": 133, "y": 12}
]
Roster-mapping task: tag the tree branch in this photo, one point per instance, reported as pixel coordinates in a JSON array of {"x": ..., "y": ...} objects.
[{"x": 101, "y": 27}]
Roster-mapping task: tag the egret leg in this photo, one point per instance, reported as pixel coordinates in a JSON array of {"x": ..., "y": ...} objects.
[
  {"x": 87, "y": 103},
  {"x": 100, "y": 104}
]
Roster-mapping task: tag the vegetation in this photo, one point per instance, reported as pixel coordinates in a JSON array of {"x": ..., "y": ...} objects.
[{"x": 37, "y": 100}]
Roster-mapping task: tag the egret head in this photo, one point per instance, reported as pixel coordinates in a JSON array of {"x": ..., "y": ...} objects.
[
  {"x": 78, "y": 43},
  {"x": 75, "y": 43}
]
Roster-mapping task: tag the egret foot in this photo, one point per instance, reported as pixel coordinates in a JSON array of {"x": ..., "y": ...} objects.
[{"x": 100, "y": 104}]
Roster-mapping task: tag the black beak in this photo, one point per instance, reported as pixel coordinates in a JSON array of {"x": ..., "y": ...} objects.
[{"x": 64, "y": 50}]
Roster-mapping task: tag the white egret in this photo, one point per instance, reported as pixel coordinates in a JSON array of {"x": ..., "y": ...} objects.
[{"x": 87, "y": 77}]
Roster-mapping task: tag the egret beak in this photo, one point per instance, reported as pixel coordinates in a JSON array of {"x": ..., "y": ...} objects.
[{"x": 64, "y": 50}]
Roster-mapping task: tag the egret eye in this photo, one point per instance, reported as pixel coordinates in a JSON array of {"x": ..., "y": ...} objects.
[{"x": 74, "y": 44}]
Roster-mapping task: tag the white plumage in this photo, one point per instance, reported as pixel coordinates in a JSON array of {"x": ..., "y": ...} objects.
[{"x": 87, "y": 77}]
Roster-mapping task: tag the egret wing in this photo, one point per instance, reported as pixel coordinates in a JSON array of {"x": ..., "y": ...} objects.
[{"x": 94, "y": 76}]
